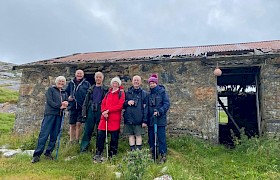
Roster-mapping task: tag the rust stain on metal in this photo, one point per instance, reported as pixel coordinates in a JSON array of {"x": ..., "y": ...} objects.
[{"x": 162, "y": 53}]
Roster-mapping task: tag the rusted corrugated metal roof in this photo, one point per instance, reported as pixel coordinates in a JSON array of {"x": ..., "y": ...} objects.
[{"x": 193, "y": 51}]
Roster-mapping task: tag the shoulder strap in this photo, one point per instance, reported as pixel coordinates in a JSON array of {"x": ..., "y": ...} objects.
[
  {"x": 106, "y": 95},
  {"x": 119, "y": 95}
]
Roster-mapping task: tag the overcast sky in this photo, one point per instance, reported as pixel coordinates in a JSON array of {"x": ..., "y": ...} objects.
[{"x": 34, "y": 30}]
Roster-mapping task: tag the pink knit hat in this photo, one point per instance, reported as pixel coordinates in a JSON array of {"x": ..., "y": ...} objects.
[{"x": 153, "y": 78}]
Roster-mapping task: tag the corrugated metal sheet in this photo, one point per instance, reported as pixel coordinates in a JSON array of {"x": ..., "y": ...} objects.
[{"x": 193, "y": 51}]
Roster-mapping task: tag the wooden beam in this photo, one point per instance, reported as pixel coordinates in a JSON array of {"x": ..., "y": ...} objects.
[{"x": 229, "y": 115}]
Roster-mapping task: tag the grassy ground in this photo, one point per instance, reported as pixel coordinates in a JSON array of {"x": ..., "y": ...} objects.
[
  {"x": 7, "y": 122},
  {"x": 7, "y": 95},
  {"x": 188, "y": 158},
  {"x": 223, "y": 118}
]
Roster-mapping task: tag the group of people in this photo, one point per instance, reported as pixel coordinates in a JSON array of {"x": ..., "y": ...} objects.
[{"x": 101, "y": 107}]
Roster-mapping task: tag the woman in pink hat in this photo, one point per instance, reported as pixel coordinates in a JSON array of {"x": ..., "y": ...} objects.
[{"x": 157, "y": 107}]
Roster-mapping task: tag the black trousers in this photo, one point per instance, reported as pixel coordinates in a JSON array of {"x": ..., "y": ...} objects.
[{"x": 113, "y": 149}]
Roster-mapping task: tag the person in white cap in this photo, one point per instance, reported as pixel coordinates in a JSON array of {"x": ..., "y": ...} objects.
[{"x": 111, "y": 109}]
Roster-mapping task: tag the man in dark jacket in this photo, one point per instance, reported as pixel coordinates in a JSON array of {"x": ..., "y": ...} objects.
[
  {"x": 77, "y": 90},
  {"x": 158, "y": 105},
  {"x": 56, "y": 102},
  {"x": 92, "y": 109},
  {"x": 134, "y": 122}
]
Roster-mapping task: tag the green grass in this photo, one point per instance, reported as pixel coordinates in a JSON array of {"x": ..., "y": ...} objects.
[
  {"x": 188, "y": 158},
  {"x": 7, "y": 121},
  {"x": 223, "y": 118},
  {"x": 7, "y": 95},
  {"x": 4, "y": 85}
]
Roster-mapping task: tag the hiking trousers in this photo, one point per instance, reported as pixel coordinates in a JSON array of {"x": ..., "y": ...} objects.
[
  {"x": 91, "y": 122},
  {"x": 49, "y": 129},
  {"x": 161, "y": 139},
  {"x": 113, "y": 148}
]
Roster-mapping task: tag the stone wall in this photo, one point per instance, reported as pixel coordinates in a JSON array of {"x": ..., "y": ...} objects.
[
  {"x": 191, "y": 86},
  {"x": 192, "y": 90},
  {"x": 270, "y": 90}
]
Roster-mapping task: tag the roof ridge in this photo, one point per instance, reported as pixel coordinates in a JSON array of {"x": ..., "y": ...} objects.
[
  {"x": 269, "y": 46},
  {"x": 199, "y": 46}
]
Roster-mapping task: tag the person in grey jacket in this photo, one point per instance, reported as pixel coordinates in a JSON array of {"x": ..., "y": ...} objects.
[
  {"x": 56, "y": 102},
  {"x": 92, "y": 109},
  {"x": 134, "y": 118},
  {"x": 77, "y": 90}
]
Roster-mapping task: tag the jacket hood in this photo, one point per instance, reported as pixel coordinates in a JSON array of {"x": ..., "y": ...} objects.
[
  {"x": 54, "y": 86},
  {"x": 158, "y": 89},
  {"x": 75, "y": 80}
]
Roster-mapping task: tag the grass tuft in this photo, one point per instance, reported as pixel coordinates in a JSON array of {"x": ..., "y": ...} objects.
[
  {"x": 7, "y": 95},
  {"x": 7, "y": 121}
]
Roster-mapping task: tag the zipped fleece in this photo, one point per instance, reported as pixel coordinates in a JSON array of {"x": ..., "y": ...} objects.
[{"x": 54, "y": 98}]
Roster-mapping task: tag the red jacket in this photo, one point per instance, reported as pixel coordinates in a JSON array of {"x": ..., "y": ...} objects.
[{"x": 114, "y": 104}]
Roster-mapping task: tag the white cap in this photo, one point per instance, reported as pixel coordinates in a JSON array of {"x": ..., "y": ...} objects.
[{"x": 116, "y": 79}]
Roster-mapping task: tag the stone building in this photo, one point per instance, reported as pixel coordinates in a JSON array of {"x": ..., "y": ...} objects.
[{"x": 248, "y": 89}]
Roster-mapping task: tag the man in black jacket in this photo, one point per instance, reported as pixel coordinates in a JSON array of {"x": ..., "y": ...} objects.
[
  {"x": 92, "y": 109},
  {"x": 56, "y": 102},
  {"x": 134, "y": 118},
  {"x": 76, "y": 89}
]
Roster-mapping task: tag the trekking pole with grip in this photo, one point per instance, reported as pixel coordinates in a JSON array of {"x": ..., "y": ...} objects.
[
  {"x": 107, "y": 146},
  {"x": 155, "y": 131}
]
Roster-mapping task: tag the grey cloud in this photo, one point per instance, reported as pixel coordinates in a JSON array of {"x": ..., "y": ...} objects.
[{"x": 32, "y": 30}]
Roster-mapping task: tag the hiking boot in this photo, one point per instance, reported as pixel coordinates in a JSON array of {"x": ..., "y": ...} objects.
[
  {"x": 49, "y": 156},
  {"x": 138, "y": 147},
  {"x": 132, "y": 148},
  {"x": 97, "y": 158},
  {"x": 35, "y": 159},
  {"x": 162, "y": 159}
]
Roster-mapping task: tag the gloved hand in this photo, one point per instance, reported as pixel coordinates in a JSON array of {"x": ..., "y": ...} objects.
[{"x": 156, "y": 112}]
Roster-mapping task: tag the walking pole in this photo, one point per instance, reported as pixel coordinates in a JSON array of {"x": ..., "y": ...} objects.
[
  {"x": 155, "y": 131},
  {"x": 107, "y": 147},
  {"x": 59, "y": 135}
]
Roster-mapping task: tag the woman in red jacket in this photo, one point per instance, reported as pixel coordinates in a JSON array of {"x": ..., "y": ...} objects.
[{"x": 111, "y": 108}]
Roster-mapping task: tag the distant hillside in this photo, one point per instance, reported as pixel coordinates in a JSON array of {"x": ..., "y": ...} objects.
[
  {"x": 9, "y": 84},
  {"x": 8, "y": 78}
]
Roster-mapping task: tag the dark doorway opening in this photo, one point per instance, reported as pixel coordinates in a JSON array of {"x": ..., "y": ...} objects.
[
  {"x": 238, "y": 103},
  {"x": 90, "y": 78}
]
